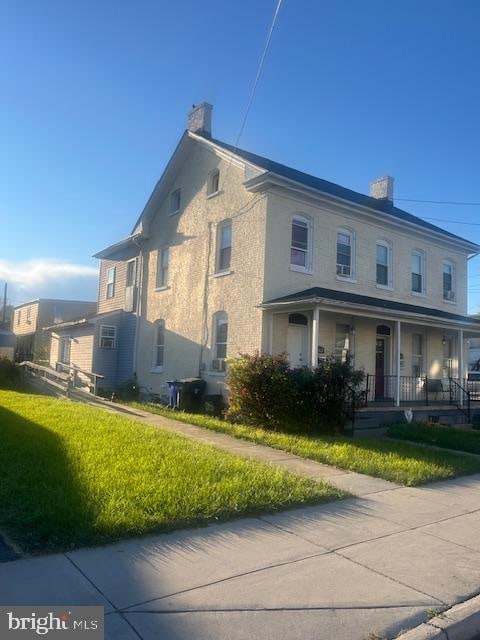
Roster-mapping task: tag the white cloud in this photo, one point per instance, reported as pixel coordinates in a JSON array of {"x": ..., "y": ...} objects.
[{"x": 38, "y": 273}]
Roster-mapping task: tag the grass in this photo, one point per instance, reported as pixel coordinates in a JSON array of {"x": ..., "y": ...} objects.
[
  {"x": 445, "y": 437},
  {"x": 73, "y": 475},
  {"x": 399, "y": 462}
]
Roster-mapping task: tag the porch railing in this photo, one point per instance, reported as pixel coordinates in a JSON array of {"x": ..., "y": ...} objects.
[
  {"x": 461, "y": 398},
  {"x": 419, "y": 390}
]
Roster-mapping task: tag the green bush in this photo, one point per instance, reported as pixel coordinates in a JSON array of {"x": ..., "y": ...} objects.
[
  {"x": 10, "y": 374},
  {"x": 266, "y": 392}
]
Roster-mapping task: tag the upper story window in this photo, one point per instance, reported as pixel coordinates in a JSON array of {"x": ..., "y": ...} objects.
[
  {"x": 163, "y": 260},
  {"x": 159, "y": 344},
  {"x": 108, "y": 336},
  {"x": 29, "y": 315},
  {"x": 418, "y": 272},
  {"x": 448, "y": 281},
  {"x": 213, "y": 183},
  {"x": 345, "y": 253},
  {"x": 224, "y": 244},
  {"x": 19, "y": 317},
  {"x": 175, "y": 198},
  {"x": 220, "y": 336},
  {"x": 384, "y": 263},
  {"x": 131, "y": 273},
  {"x": 300, "y": 244},
  {"x": 58, "y": 313},
  {"x": 111, "y": 273}
]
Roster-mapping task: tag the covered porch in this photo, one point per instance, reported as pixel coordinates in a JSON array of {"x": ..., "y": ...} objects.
[{"x": 410, "y": 354}]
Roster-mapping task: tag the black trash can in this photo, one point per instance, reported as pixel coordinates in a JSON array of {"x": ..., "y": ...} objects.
[{"x": 191, "y": 392}]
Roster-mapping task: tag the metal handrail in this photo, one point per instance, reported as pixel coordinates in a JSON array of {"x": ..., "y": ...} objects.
[{"x": 464, "y": 393}]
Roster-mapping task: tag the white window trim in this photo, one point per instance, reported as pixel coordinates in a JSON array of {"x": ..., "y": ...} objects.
[
  {"x": 353, "y": 271},
  {"x": 129, "y": 262},
  {"x": 210, "y": 193},
  {"x": 423, "y": 266},
  {"x": 158, "y": 286},
  {"x": 157, "y": 368},
  {"x": 451, "y": 263},
  {"x": 227, "y": 270},
  {"x": 170, "y": 211},
  {"x": 389, "y": 247},
  {"x": 215, "y": 318},
  {"x": 308, "y": 269},
  {"x": 114, "y": 337},
  {"x": 114, "y": 282}
]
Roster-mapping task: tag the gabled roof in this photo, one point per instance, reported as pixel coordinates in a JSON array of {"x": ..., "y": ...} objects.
[
  {"x": 319, "y": 294},
  {"x": 384, "y": 206}
]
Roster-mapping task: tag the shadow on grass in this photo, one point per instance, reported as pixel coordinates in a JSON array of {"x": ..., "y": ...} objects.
[{"x": 43, "y": 506}]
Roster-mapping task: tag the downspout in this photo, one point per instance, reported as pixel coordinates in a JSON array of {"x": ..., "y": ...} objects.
[
  {"x": 138, "y": 305},
  {"x": 204, "y": 340}
]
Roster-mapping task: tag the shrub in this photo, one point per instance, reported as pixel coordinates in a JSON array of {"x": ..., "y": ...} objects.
[
  {"x": 261, "y": 392},
  {"x": 10, "y": 374},
  {"x": 265, "y": 392}
]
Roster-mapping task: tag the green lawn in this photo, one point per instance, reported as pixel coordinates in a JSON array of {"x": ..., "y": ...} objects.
[
  {"x": 396, "y": 461},
  {"x": 73, "y": 475},
  {"x": 446, "y": 437}
]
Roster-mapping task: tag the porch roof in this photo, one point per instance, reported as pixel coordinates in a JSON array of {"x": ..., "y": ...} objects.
[{"x": 319, "y": 295}]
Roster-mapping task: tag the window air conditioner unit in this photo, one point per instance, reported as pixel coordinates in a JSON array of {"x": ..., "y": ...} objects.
[
  {"x": 449, "y": 295},
  {"x": 343, "y": 270},
  {"x": 218, "y": 364}
]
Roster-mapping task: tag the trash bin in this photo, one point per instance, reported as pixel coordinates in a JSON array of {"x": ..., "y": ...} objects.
[
  {"x": 172, "y": 393},
  {"x": 190, "y": 394}
]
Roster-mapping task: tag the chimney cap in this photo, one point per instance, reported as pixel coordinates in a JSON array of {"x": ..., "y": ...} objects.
[
  {"x": 382, "y": 188},
  {"x": 200, "y": 119}
]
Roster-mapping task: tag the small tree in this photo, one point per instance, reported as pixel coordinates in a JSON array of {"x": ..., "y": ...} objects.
[{"x": 261, "y": 393}]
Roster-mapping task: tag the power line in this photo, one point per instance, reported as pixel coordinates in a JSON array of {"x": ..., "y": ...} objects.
[
  {"x": 464, "y": 204},
  {"x": 473, "y": 224}
]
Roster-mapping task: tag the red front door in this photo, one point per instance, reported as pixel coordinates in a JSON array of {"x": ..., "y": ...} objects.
[{"x": 380, "y": 369}]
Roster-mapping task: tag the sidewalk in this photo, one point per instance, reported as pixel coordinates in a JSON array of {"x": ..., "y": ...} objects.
[{"x": 330, "y": 572}]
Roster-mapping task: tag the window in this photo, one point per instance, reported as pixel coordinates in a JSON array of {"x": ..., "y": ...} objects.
[
  {"x": 447, "y": 357},
  {"x": 131, "y": 273},
  {"x": 418, "y": 266},
  {"x": 111, "y": 282},
  {"x": 213, "y": 182},
  {"x": 224, "y": 240},
  {"x": 19, "y": 317},
  {"x": 159, "y": 345},
  {"x": 220, "y": 335},
  {"x": 342, "y": 342},
  {"x": 58, "y": 313},
  {"x": 162, "y": 267},
  {"x": 345, "y": 250},
  {"x": 384, "y": 258},
  {"x": 64, "y": 350},
  {"x": 29, "y": 314},
  {"x": 175, "y": 201},
  {"x": 448, "y": 282},
  {"x": 108, "y": 335},
  {"x": 300, "y": 244},
  {"x": 417, "y": 355}
]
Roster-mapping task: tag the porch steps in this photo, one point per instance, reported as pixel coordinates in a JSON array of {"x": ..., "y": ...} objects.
[{"x": 373, "y": 420}]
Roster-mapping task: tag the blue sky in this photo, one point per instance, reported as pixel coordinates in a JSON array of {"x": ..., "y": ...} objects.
[{"x": 94, "y": 96}]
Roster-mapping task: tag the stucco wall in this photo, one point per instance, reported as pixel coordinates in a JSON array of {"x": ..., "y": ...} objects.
[
  {"x": 194, "y": 292},
  {"x": 281, "y": 280}
]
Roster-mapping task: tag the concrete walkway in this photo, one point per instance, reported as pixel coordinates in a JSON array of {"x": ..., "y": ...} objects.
[
  {"x": 357, "y": 484},
  {"x": 340, "y": 571}
]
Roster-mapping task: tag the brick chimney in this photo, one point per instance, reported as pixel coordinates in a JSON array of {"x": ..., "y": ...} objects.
[
  {"x": 382, "y": 188},
  {"x": 200, "y": 119}
]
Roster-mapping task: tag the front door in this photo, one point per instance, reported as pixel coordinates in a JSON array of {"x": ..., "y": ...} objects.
[
  {"x": 380, "y": 369},
  {"x": 297, "y": 345}
]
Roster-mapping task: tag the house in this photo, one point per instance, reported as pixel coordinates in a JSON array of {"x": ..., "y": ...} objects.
[
  {"x": 7, "y": 344},
  {"x": 103, "y": 340},
  {"x": 30, "y": 319},
  {"x": 235, "y": 253}
]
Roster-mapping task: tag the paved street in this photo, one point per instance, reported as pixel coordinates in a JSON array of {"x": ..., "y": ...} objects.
[{"x": 375, "y": 563}]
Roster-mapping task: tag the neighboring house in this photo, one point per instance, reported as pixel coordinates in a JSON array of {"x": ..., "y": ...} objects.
[
  {"x": 7, "y": 344},
  {"x": 239, "y": 253},
  {"x": 30, "y": 319},
  {"x": 103, "y": 341}
]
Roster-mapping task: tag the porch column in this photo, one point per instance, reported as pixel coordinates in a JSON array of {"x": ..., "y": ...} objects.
[
  {"x": 460, "y": 362},
  {"x": 398, "y": 330},
  {"x": 315, "y": 325}
]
